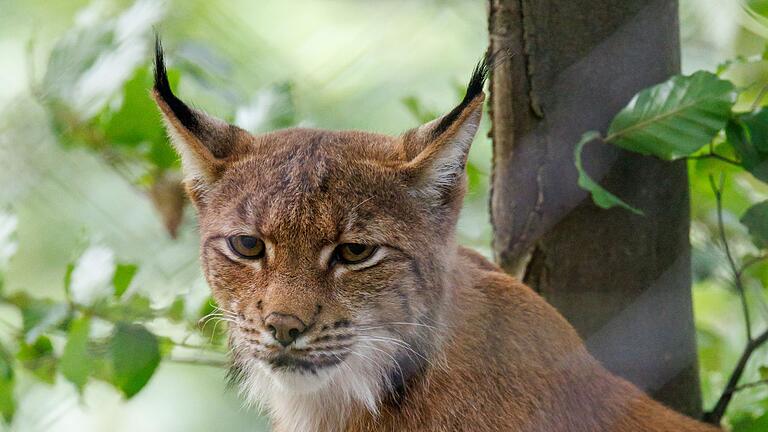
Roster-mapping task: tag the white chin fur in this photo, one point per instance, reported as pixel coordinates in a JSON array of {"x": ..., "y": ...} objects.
[
  {"x": 300, "y": 383},
  {"x": 308, "y": 402}
]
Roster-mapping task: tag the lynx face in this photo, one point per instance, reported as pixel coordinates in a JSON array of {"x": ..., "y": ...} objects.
[
  {"x": 320, "y": 256},
  {"x": 326, "y": 250}
]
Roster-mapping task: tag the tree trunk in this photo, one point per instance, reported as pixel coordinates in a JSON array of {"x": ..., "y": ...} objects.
[{"x": 622, "y": 280}]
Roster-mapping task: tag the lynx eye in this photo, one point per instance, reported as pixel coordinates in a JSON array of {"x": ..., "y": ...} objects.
[
  {"x": 354, "y": 253},
  {"x": 247, "y": 247}
]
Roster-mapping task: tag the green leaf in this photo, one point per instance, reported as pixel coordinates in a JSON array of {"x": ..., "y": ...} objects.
[
  {"x": 39, "y": 359},
  {"x": 38, "y": 315},
  {"x": 7, "y": 382},
  {"x": 124, "y": 274},
  {"x": 176, "y": 310},
  {"x": 76, "y": 361},
  {"x": 748, "y": 134},
  {"x": 758, "y": 7},
  {"x": 166, "y": 345},
  {"x": 600, "y": 196},
  {"x": 135, "y": 307},
  {"x": 135, "y": 355},
  {"x": 68, "y": 277},
  {"x": 756, "y": 220},
  {"x": 137, "y": 125},
  {"x": 748, "y": 424},
  {"x": 763, "y": 372},
  {"x": 757, "y": 126},
  {"x": 137, "y": 118},
  {"x": 676, "y": 118}
]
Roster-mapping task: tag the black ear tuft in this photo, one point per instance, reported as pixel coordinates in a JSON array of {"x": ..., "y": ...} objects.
[
  {"x": 474, "y": 88},
  {"x": 163, "y": 89}
]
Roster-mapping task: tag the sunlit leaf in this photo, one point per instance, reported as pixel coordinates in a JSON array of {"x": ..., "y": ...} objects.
[
  {"x": 124, "y": 274},
  {"x": 176, "y": 310},
  {"x": 758, "y": 7},
  {"x": 756, "y": 220},
  {"x": 39, "y": 358},
  {"x": 600, "y": 196},
  {"x": 76, "y": 362},
  {"x": 165, "y": 345},
  {"x": 135, "y": 355},
  {"x": 676, "y": 118}
]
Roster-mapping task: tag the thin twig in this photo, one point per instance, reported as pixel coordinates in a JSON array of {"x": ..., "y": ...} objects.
[
  {"x": 718, "y": 190},
  {"x": 214, "y": 348},
  {"x": 713, "y": 155},
  {"x": 759, "y": 98},
  {"x": 199, "y": 362},
  {"x": 757, "y": 383}
]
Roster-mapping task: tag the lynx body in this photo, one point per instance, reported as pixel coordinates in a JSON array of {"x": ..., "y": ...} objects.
[{"x": 350, "y": 306}]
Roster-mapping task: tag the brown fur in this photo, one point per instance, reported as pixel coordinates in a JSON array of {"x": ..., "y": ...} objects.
[
  {"x": 516, "y": 364},
  {"x": 452, "y": 343}
]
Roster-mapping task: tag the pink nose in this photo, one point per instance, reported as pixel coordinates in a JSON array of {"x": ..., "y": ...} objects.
[{"x": 285, "y": 328}]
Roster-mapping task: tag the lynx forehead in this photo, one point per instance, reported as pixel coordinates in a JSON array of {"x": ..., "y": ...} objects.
[{"x": 351, "y": 308}]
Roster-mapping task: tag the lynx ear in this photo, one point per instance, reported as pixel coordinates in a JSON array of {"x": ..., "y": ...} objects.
[
  {"x": 437, "y": 151},
  {"x": 203, "y": 142}
]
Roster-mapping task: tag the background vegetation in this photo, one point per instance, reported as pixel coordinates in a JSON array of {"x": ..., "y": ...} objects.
[{"x": 96, "y": 291}]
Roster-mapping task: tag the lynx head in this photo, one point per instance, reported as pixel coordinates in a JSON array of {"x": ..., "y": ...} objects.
[{"x": 329, "y": 252}]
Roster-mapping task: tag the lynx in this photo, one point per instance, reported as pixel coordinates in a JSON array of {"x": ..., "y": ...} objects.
[{"x": 350, "y": 305}]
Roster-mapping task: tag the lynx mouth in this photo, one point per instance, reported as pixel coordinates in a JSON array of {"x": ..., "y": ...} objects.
[{"x": 292, "y": 363}]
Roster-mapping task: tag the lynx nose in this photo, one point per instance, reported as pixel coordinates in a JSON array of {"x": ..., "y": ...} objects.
[{"x": 285, "y": 328}]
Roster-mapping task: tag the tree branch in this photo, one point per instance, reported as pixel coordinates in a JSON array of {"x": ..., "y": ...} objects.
[{"x": 716, "y": 414}]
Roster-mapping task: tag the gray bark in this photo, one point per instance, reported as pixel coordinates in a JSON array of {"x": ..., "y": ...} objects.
[{"x": 622, "y": 280}]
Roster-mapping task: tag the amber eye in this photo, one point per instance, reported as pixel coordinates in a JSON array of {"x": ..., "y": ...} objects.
[
  {"x": 247, "y": 247},
  {"x": 353, "y": 253}
]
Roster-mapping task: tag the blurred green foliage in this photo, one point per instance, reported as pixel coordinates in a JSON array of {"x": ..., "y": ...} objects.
[{"x": 94, "y": 315}]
